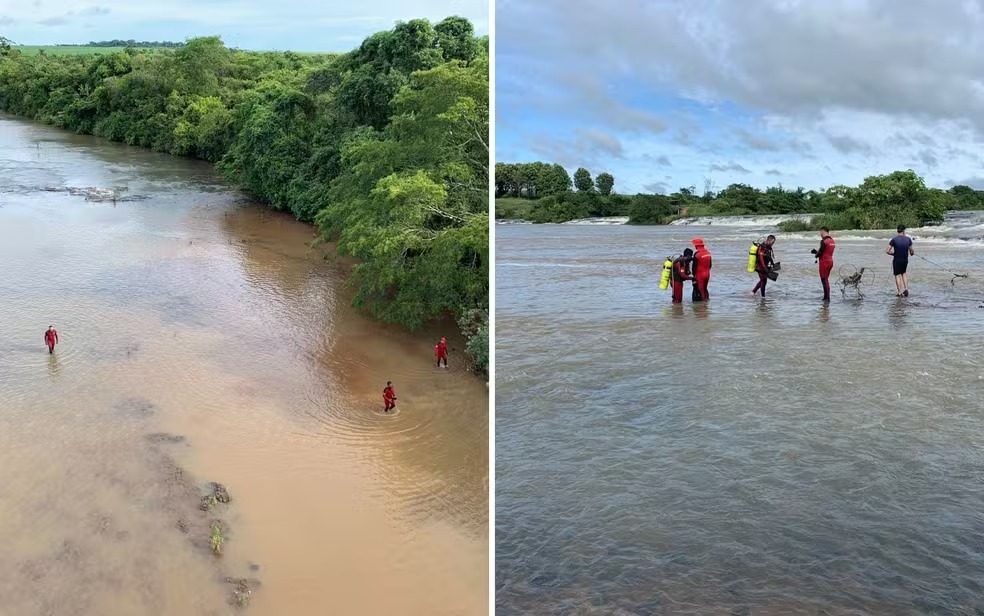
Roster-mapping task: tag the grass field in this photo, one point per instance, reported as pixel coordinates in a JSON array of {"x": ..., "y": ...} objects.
[
  {"x": 517, "y": 209},
  {"x": 69, "y": 50},
  {"x": 52, "y": 50}
]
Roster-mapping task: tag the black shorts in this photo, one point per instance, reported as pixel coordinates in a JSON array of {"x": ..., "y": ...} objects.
[{"x": 899, "y": 267}]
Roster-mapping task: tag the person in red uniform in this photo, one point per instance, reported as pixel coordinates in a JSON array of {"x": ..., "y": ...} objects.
[
  {"x": 441, "y": 352},
  {"x": 825, "y": 257},
  {"x": 681, "y": 272},
  {"x": 764, "y": 263},
  {"x": 389, "y": 397},
  {"x": 51, "y": 338},
  {"x": 701, "y": 270}
]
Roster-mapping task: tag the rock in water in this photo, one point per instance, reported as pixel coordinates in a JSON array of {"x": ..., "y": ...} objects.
[{"x": 220, "y": 492}]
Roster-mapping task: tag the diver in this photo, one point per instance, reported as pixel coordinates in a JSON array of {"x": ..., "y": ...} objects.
[
  {"x": 389, "y": 397},
  {"x": 51, "y": 338},
  {"x": 681, "y": 272},
  {"x": 825, "y": 257},
  {"x": 441, "y": 352},
  {"x": 764, "y": 263},
  {"x": 701, "y": 271},
  {"x": 901, "y": 249}
]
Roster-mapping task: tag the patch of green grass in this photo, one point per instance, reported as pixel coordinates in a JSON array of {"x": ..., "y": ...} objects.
[
  {"x": 796, "y": 226},
  {"x": 217, "y": 538},
  {"x": 67, "y": 50},
  {"x": 514, "y": 209}
]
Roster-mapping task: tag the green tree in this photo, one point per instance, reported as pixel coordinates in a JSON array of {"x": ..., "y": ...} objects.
[
  {"x": 553, "y": 180},
  {"x": 385, "y": 146},
  {"x": 582, "y": 180},
  {"x": 605, "y": 183}
]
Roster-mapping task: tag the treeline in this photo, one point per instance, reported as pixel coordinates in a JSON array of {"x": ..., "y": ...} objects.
[
  {"x": 537, "y": 180},
  {"x": 384, "y": 148},
  {"x": 882, "y": 201},
  {"x": 128, "y": 43}
]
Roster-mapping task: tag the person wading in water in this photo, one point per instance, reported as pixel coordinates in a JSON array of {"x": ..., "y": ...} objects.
[
  {"x": 389, "y": 397},
  {"x": 441, "y": 352},
  {"x": 901, "y": 249},
  {"x": 51, "y": 338}
]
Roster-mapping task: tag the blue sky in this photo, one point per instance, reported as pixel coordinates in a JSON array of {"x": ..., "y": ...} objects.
[
  {"x": 671, "y": 93},
  {"x": 299, "y": 25}
]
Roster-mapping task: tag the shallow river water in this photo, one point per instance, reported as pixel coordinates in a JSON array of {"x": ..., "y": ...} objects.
[
  {"x": 745, "y": 456},
  {"x": 201, "y": 339}
]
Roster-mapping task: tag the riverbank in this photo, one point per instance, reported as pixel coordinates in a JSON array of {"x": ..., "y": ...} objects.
[
  {"x": 294, "y": 131},
  {"x": 879, "y": 202},
  {"x": 203, "y": 340}
]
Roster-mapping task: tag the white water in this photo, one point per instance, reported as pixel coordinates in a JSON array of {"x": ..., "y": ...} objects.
[
  {"x": 606, "y": 220},
  {"x": 740, "y": 221}
]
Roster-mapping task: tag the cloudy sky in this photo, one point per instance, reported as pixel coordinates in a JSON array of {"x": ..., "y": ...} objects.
[
  {"x": 301, "y": 25},
  {"x": 670, "y": 93}
]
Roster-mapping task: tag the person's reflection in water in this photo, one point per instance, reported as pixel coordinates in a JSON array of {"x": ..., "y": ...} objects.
[
  {"x": 701, "y": 309},
  {"x": 765, "y": 306},
  {"x": 54, "y": 370},
  {"x": 897, "y": 313},
  {"x": 824, "y": 314},
  {"x": 674, "y": 311}
]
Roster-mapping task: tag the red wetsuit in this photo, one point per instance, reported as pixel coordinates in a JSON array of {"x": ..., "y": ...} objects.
[
  {"x": 51, "y": 339},
  {"x": 389, "y": 398},
  {"x": 702, "y": 271},
  {"x": 764, "y": 258},
  {"x": 680, "y": 273},
  {"x": 441, "y": 352},
  {"x": 825, "y": 257}
]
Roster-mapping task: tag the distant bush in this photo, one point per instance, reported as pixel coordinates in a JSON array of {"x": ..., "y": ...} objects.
[{"x": 796, "y": 226}]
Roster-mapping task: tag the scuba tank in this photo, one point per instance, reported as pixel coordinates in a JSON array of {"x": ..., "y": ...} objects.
[
  {"x": 664, "y": 279},
  {"x": 752, "y": 254}
]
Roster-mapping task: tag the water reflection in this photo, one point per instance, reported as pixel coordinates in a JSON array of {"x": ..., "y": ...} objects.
[
  {"x": 898, "y": 310},
  {"x": 798, "y": 468},
  {"x": 54, "y": 370}
]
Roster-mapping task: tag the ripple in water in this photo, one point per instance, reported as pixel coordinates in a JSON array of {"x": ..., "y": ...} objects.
[{"x": 741, "y": 457}]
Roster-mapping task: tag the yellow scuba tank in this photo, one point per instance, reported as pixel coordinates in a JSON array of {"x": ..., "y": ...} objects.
[
  {"x": 752, "y": 254},
  {"x": 664, "y": 280}
]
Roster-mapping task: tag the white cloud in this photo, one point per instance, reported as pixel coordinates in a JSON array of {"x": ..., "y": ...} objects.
[{"x": 854, "y": 86}]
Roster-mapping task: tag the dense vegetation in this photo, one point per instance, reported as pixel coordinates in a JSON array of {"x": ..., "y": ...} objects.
[
  {"x": 129, "y": 43},
  {"x": 64, "y": 50},
  {"x": 384, "y": 148},
  {"x": 543, "y": 193}
]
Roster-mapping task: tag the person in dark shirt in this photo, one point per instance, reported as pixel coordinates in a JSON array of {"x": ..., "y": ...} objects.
[
  {"x": 681, "y": 272},
  {"x": 901, "y": 249},
  {"x": 764, "y": 263},
  {"x": 825, "y": 257}
]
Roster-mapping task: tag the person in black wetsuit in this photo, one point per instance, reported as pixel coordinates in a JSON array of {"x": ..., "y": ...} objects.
[{"x": 764, "y": 263}]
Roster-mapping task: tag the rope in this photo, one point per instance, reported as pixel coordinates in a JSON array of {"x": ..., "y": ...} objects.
[{"x": 953, "y": 280}]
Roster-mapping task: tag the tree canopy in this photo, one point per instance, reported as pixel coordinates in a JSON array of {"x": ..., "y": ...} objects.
[
  {"x": 882, "y": 201},
  {"x": 385, "y": 148}
]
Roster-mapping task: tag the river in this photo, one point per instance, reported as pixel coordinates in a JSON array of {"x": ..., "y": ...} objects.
[
  {"x": 747, "y": 456},
  {"x": 202, "y": 340}
]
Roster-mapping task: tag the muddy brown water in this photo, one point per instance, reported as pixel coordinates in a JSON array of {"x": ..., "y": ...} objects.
[{"x": 186, "y": 311}]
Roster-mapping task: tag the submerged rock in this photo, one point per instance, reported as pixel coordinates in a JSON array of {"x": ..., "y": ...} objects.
[
  {"x": 164, "y": 437},
  {"x": 136, "y": 407},
  {"x": 242, "y": 590},
  {"x": 217, "y": 494}
]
